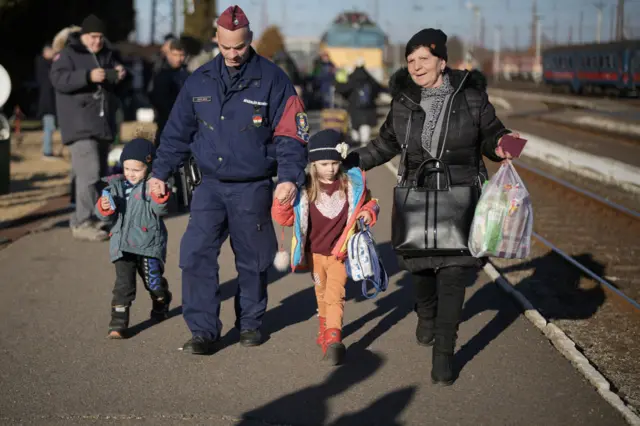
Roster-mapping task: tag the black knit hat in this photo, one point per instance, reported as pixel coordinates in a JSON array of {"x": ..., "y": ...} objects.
[
  {"x": 432, "y": 39},
  {"x": 92, "y": 24},
  {"x": 327, "y": 145},
  {"x": 139, "y": 149}
]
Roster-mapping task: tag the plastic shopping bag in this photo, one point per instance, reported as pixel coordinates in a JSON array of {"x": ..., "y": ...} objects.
[{"x": 503, "y": 220}]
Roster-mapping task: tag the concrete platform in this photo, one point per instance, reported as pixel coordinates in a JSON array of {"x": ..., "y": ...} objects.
[{"x": 57, "y": 367}]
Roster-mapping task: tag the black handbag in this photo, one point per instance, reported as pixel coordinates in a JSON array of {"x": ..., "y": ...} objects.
[{"x": 431, "y": 221}]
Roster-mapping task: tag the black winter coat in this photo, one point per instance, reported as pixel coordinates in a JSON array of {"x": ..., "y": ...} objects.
[
  {"x": 46, "y": 94},
  {"x": 470, "y": 130},
  {"x": 86, "y": 110},
  {"x": 362, "y": 109},
  {"x": 166, "y": 86}
]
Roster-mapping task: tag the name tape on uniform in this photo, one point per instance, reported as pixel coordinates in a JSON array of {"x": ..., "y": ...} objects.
[
  {"x": 202, "y": 99},
  {"x": 249, "y": 101}
]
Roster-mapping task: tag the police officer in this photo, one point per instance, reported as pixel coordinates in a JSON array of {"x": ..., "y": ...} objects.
[{"x": 241, "y": 118}]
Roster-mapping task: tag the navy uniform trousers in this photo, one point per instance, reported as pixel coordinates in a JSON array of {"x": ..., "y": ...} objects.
[{"x": 242, "y": 211}]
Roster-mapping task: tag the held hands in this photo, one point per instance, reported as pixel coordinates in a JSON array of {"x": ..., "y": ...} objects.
[
  {"x": 500, "y": 152},
  {"x": 121, "y": 72},
  {"x": 97, "y": 75},
  {"x": 364, "y": 214},
  {"x": 157, "y": 187},
  {"x": 286, "y": 192}
]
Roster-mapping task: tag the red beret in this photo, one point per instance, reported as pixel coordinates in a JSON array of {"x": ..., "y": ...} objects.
[{"x": 233, "y": 18}]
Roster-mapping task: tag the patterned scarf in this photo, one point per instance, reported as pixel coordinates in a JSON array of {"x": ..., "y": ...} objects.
[{"x": 439, "y": 94}]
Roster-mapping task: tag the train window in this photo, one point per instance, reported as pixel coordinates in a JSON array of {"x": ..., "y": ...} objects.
[
  {"x": 350, "y": 37},
  {"x": 608, "y": 61},
  {"x": 570, "y": 62}
]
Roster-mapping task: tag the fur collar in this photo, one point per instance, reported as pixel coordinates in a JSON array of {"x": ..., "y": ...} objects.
[{"x": 401, "y": 82}]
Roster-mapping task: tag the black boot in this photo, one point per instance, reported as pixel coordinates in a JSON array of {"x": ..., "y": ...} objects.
[
  {"x": 160, "y": 307},
  {"x": 250, "y": 338},
  {"x": 442, "y": 369},
  {"x": 452, "y": 282},
  {"x": 424, "y": 331},
  {"x": 119, "y": 322},
  {"x": 199, "y": 345}
]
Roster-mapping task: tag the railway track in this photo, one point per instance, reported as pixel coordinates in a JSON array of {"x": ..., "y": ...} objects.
[
  {"x": 583, "y": 222},
  {"x": 542, "y": 88},
  {"x": 583, "y": 274}
]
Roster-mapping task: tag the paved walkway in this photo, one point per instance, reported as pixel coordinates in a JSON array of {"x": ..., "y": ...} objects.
[{"x": 57, "y": 367}]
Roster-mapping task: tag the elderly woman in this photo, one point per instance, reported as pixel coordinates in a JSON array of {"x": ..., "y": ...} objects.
[{"x": 445, "y": 114}]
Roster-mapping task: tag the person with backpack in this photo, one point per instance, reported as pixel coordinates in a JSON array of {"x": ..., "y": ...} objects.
[
  {"x": 324, "y": 217},
  {"x": 441, "y": 122},
  {"x": 361, "y": 91}
]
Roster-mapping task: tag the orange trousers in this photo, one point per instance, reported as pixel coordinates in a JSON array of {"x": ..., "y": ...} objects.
[{"x": 330, "y": 277}]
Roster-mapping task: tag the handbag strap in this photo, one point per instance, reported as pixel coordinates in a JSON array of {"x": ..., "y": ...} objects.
[{"x": 402, "y": 167}]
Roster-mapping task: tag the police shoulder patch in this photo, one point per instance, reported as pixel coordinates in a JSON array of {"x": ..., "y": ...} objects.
[{"x": 302, "y": 122}]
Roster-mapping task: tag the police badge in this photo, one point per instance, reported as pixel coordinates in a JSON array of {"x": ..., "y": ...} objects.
[
  {"x": 302, "y": 126},
  {"x": 257, "y": 117}
]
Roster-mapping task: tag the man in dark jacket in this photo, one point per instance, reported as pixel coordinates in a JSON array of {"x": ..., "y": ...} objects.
[
  {"x": 46, "y": 100},
  {"x": 84, "y": 76},
  {"x": 160, "y": 59},
  {"x": 361, "y": 91},
  {"x": 167, "y": 84},
  {"x": 240, "y": 118}
]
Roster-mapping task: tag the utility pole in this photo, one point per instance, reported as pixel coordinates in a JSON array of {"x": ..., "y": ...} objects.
[
  {"x": 174, "y": 18},
  {"x": 496, "y": 53},
  {"x": 620, "y": 21},
  {"x": 599, "y": 7},
  {"x": 534, "y": 28},
  {"x": 476, "y": 27},
  {"x": 516, "y": 38},
  {"x": 154, "y": 7},
  {"x": 555, "y": 31},
  {"x": 482, "y": 32},
  {"x": 570, "y": 38},
  {"x": 580, "y": 26},
  {"x": 538, "y": 38}
]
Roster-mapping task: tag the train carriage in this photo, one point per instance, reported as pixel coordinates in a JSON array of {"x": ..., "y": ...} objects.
[{"x": 604, "y": 66}]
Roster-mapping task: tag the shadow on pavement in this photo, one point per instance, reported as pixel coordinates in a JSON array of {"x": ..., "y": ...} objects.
[
  {"x": 310, "y": 405},
  {"x": 554, "y": 288},
  {"x": 148, "y": 323}
]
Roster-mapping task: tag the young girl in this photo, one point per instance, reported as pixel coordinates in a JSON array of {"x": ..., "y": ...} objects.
[
  {"x": 323, "y": 217},
  {"x": 138, "y": 235}
]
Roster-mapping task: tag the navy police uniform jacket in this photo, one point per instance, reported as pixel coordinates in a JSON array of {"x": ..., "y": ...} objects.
[{"x": 238, "y": 129}]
